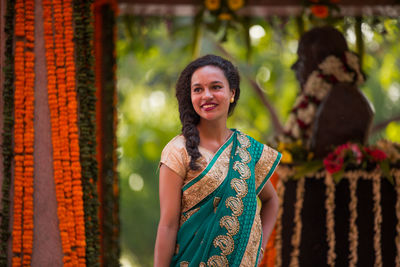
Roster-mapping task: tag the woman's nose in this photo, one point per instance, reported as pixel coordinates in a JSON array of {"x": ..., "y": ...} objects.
[{"x": 207, "y": 94}]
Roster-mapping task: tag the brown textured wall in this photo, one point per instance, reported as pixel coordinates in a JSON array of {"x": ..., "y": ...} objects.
[{"x": 47, "y": 250}]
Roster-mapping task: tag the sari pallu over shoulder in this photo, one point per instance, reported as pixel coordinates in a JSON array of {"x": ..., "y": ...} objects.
[{"x": 220, "y": 222}]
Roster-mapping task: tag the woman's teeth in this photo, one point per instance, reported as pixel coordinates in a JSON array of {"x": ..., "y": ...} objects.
[{"x": 208, "y": 105}]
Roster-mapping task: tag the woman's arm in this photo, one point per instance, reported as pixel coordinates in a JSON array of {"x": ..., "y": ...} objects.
[
  {"x": 170, "y": 206},
  {"x": 269, "y": 210}
]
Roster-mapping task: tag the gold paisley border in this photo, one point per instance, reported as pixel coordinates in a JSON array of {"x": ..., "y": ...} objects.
[
  {"x": 254, "y": 241},
  {"x": 264, "y": 164},
  {"x": 214, "y": 178}
]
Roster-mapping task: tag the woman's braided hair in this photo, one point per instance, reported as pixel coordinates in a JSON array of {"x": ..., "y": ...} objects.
[{"x": 189, "y": 117}]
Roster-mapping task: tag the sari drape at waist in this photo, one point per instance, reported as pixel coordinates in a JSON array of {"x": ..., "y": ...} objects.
[{"x": 220, "y": 222}]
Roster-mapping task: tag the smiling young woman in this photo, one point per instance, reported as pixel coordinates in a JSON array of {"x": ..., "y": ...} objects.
[{"x": 211, "y": 176}]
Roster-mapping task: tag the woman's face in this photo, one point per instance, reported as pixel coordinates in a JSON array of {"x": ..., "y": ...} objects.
[{"x": 210, "y": 93}]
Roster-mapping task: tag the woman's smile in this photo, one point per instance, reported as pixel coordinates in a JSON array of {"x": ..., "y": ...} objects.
[{"x": 209, "y": 106}]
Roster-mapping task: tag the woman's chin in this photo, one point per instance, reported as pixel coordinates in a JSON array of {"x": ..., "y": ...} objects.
[{"x": 210, "y": 117}]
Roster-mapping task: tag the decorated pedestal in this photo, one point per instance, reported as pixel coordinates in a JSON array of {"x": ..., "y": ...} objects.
[{"x": 353, "y": 221}]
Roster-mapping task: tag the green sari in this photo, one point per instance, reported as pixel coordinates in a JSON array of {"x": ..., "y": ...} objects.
[{"x": 220, "y": 221}]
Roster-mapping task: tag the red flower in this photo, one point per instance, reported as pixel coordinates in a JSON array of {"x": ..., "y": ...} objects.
[
  {"x": 301, "y": 124},
  {"x": 376, "y": 154},
  {"x": 333, "y": 163},
  {"x": 320, "y": 11}
]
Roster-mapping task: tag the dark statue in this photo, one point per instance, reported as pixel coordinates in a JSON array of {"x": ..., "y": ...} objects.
[{"x": 344, "y": 114}]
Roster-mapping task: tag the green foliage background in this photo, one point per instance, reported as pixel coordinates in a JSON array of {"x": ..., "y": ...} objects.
[{"x": 152, "y": 51}]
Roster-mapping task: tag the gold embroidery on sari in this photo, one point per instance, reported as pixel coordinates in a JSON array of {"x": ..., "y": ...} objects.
[
  {"x": 243, "y": 140},
  {"x": 202, "y": 264},
  {"x": 184, "y": 264},
  {"x": 264, "y": 164},
  {"x": 231, "y": 223},
  {"x": 216, "y": 202},
  {"x": 239, "y": 186},
  {"x": 225, "y": 243},
  {"x": 242, "y": 169},
  {"x": 235, "y": 204},
  {"x": 249, "y": 257},
  {"x": 244, "y": 155},
  {"x": 218, "y": 261},
  {"x": 208, "y": 183}
]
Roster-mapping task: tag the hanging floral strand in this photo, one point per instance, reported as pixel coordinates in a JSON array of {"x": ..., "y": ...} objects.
[
  {"x": 83, "y": 35},
  {"x": 8, "y": 122},
  {"x": 77, "y": 200},
  {"x": 63, "y": 108},
  {"x": 23, "y": 133},
  {"x": 64, "y": 127},
  {"x": 55, "y": 132}
]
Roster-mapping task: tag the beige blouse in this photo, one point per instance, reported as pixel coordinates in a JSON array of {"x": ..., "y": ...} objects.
[{"x": 176, "y": 157}]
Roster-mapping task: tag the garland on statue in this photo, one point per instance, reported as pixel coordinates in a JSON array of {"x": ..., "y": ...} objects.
[
  {"x": 8, "y": 123},
  {"x": 24, "y": 103},
  {"x": 331, "y": 71},
  {"x": 85, "y": 80},
  {"x": 63, "y": 114}
]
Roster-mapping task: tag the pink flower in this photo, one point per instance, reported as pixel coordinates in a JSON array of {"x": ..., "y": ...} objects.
[{"x": 356, "y": 153}]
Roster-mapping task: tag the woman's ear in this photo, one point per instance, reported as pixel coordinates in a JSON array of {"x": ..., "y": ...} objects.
[{"x": 233, "y": 91}]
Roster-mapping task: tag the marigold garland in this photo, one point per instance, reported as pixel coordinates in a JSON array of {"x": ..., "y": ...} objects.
[
  {"x": 24, "y": 102},
  {"x": 296, "y": 237},
  {"x": 376, "y": 190},
  {"x": 278, "y": 238},
  {"x": 8, "y": 122},
  {"x": 353, "y": 232},
  {"x": 63, "y": 114},
  {"x": 330, "y": 218}
]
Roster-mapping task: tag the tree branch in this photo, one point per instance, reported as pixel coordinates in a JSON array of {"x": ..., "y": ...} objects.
[
  {"x": 381, "y": 125},
  {"x": 278, "y": 128}
]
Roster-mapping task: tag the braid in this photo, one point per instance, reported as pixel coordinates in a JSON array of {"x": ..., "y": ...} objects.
[
  {"x": 191, "y": 134},
  {"x": 188, "y": 116}
]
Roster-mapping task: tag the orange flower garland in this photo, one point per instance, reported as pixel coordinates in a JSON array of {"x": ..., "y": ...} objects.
[
  {"x": 23, "y": 133},
  {"x": 73, "y": 136},
  {"x": 63, "y": 113},
  {"x": 320, "y": 11}
]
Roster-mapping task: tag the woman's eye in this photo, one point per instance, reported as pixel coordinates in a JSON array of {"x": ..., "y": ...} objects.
[
  {"x": 197, "y": 89},
  {"x": 217, "y": 87}
]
